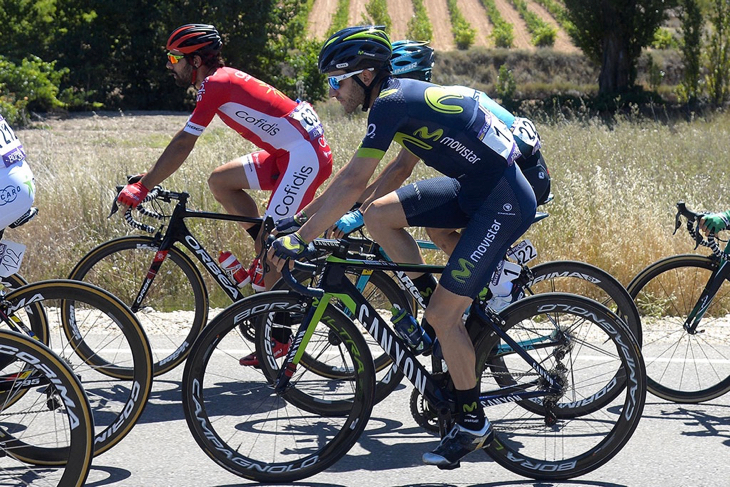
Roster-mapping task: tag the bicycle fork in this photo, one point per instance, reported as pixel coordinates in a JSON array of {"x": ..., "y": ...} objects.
[
  {"x": 711, "y": 288},
  {"x": 314, "y": 311}
]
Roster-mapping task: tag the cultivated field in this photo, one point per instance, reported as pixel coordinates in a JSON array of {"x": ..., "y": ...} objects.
[
  {"x": 615, "y": 186},
  {"x": 401, "y": 11}
]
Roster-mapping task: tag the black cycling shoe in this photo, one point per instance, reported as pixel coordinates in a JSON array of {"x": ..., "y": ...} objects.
[{"x": 457, "y": 444}]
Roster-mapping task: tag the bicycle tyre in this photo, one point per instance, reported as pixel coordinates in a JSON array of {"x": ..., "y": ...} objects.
[
  {"x": 175, "y": 308},
  {"x": 34, "y": 312},
  {"x": 32, "y": 316},
  {"x": 244, "y": 426},
  {"x": 101, "y": 340},
  {"x": 382, "y": 292},
  {"x": 587, "y": 280},
  {"x": 594, "y": 283},
  {"x": 683, "y": 367},
  {"x": 32, "y": 431},
  {"x": 543, "y": 447}
]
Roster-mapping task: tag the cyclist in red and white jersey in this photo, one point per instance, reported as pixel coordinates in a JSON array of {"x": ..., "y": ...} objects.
[{"x": 294, "y": 159}]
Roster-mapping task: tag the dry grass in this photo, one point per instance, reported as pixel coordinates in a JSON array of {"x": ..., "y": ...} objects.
[{"x": 615, "y": 187}]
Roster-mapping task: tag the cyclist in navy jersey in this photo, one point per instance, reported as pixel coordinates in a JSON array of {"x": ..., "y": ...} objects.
[
  {"x": 482, "y": 191},
  {"x": 415, "y": 60}
]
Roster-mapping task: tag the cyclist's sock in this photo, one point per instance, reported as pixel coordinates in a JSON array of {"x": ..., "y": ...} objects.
[
  {"x": 470, "y": 411},
  {"x": 254, "y": 231},
  {"x": 428, "y": 329},
  {"x": 426, "y": 285}
]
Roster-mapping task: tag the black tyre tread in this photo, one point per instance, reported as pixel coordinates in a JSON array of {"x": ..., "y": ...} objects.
[
  {"x": 195, "y": 380},
  {"x": 74, "y": 459},
  {"x": 140, "y": 375},
  {"x": 508, "y": 447}
]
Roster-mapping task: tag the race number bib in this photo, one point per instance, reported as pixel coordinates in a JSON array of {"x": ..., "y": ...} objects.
[
  {"x": 527, "y": 133},
  {"x": 495, "y": 135},
  {"x": 11, "y": 255},
  {"x": 307, "y": 117},
  {"x": 11, "y": 150},
  {"x": 523, "y": 252}
]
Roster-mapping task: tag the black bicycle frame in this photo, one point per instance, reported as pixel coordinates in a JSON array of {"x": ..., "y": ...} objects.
[
  {"x": 177, "y": 231},
  {"x": 711, "y": 288}
]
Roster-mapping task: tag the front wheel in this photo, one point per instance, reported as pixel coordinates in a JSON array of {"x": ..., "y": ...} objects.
[
  {"x": 244, "y": 426},
  {"x": 175, "y": 306},
  {"x": 683, "y": 366},
  {"x": 561, "y": 435},
  {"x": 102, "y": 342}
]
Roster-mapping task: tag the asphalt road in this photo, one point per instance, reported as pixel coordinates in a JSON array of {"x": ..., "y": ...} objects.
[{"x": 674, "y": 445}]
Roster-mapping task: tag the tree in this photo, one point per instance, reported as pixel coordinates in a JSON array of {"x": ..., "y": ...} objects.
[
  {"x": 612, "y": 34},
  {"x": 692, "y": 23},
  {"x": 718, "y": 53}
]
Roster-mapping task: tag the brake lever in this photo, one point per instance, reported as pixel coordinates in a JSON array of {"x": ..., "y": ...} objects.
[{"x": 677, "y": 222}]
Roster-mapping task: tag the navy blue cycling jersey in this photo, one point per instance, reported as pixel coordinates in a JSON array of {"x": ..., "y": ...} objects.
[{"x": 447, "y": 130}]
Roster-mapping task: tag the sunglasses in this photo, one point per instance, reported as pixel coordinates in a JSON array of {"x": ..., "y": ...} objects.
[
  {"x": 334, "y": 81},
  {"x": 175, "y": 58}
]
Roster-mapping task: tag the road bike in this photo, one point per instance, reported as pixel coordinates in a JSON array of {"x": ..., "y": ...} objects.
[
  {"x": 96, "y": 335},
  {"x": 161, "y": 283},
  {"x": 268, "y": 425},
  {"x": 46, "y": 424},
  {"x": 684, "y": 302}
]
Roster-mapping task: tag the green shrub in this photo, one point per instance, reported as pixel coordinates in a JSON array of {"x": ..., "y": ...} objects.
[
  {"x": 30, "y": 86},
  {"x": 464, "y": 33},
  {"x": 503, "y": 36},
  {"x": 544, "y": 36},
  {"x": 377, "y": 14},
  {"x": 419, "y": 27},
  {"x": 663, "y": 39}
]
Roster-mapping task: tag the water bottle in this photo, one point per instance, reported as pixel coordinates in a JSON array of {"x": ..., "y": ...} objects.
[
  {"x": 408, "y": 328},
  {"x": 230, "y": 264}
]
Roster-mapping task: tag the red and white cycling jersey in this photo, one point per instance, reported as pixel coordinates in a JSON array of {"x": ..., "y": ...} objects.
[{"x": 296, "y": 158}]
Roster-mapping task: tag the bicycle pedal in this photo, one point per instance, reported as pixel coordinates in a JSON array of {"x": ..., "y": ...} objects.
[{"x": 451, "y": 466}]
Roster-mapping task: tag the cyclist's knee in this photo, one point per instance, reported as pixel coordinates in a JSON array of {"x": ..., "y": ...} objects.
[
  {"x": 374, "y": 218},
  {"x": 445, "y": 309}
]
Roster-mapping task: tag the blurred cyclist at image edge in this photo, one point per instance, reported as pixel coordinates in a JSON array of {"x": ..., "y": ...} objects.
[
  {"x": 17, "y": 185},
  {"x": 715, "y": 222}
]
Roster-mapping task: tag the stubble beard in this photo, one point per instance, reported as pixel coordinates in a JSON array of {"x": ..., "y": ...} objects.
[{"x": 183, "y": 79}]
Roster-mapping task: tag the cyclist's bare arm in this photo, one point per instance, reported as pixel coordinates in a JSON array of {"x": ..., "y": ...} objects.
[
  {"x": 171, "y": 159},
  {"x": 340, "y": 195},
  {"x": 391, "y": 178}
]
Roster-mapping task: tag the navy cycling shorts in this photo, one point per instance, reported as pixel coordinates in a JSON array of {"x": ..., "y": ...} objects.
[{"x": 492, "y": 214}]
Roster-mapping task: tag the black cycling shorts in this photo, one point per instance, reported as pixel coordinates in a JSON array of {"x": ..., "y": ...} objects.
[{"x": 493, "y": 215}]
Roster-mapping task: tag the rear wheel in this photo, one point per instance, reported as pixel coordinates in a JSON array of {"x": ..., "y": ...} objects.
[
  {"x": 563, "y": 435},
  {"x": 175, "y": 308}
]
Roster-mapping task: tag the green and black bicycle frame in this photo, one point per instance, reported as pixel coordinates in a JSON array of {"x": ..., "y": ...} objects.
[{"x": 334, "y": 284}]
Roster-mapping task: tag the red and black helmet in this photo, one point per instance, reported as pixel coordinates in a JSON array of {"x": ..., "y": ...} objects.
[{"x": 202, "y": 39}]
